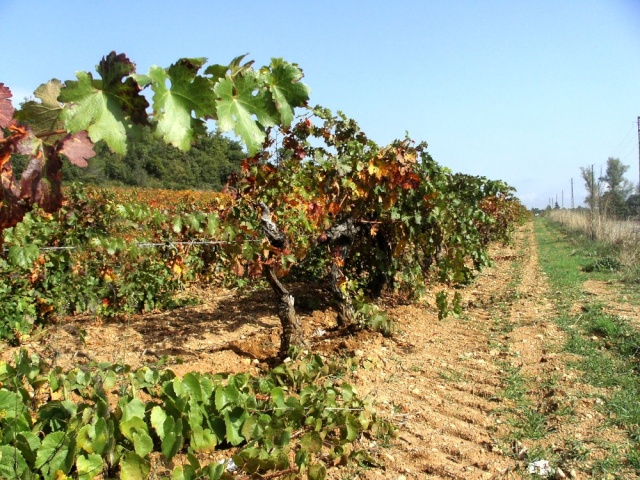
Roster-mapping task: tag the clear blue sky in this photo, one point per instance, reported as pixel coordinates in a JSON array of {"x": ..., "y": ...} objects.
[{"x": 523, "y": 91}]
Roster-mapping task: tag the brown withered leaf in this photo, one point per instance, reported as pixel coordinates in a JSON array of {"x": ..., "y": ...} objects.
[{"x": 78, "y": 149}]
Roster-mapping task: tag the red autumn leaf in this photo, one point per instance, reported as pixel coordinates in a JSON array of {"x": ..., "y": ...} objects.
[
  {"x": 6, "y": 107},
  {"x": 78, "y": 149}
]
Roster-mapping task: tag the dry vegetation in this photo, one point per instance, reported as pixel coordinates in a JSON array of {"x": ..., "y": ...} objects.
[{"x": 622, "y": 235}]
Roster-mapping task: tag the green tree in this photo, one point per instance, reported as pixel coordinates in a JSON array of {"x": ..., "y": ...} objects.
[
  {"x": 593, "y": 186},
  {"x": 633, "y": 205},
  {"x": 150, "y": 162},
  {"x": 618, "y": 188}
]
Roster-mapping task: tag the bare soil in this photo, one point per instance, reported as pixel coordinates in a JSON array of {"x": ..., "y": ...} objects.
[{"x": 441, "y": 382}]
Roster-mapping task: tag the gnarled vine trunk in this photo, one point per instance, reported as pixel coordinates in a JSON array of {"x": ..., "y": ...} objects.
[
  {"x": 291, "y": 328},
  {"x": 340, "y": 238},
  {"x": 344, "y": 305}
]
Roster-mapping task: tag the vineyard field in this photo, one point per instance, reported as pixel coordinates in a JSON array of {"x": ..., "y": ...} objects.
[
  {"x": 447, "y": 385},
  {"x": 340, "y": 310}
]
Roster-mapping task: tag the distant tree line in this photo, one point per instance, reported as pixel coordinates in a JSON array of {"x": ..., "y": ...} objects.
[{"x": 150, "y": 162}]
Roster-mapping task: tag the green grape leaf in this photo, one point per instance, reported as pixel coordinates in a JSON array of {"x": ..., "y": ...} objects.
[
  {"x": 176, "y": 224},
  {"x": 202, "y": 439},
  {"x": 251, "y": 428},
  {"x": 173, "y": 107},
  {"x": 218, "y": 71},
  {"x": 142, "y": 443},
  {"x": 226, "y": 397},
  {"x": 347, "y": 392},
  {"x": 169, "y": 430},
  {"x": 12, "y": 463},
  {"x": 43, "y": 116},
  {"x": 56, "y": 453},
  {"x": 109, "y": 108},
  {"x": 317, "y": 471},
  {"x": 352, "y": 427},
  {"x": 96, "y": 111},
  {"x": 23, "y": 256},
  {"x": 89, "y": 466},
  {"x": 11, "y": 403},
  {"x": 103, "y": 436},
  {"x": 283, "y": 81},
  {"x": 28, "y": 443},
  {"x": 184, "y": 472},
  {"x": 158, "y": 418},
  {"x": 134, "y": 467},
  {"x": 85, "y": 438},
  {"x": 133, "y": 426},
  {"x": 133, "y": 409},
  {"x": 6, "y": 107},
  {"x": 192, "y": 384},
  {"x": 233, "y": 421},
  {"x": 311, "y": 442},
  {"x": 172, "y": 441},
  {"x": 240, "y": 99},
  {"x": 113, "y": 69},
  {"x": 277, "y": 396}
]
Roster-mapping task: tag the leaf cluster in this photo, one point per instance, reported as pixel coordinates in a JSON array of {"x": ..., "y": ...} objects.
[
  {"x": 106, "y": 419},
  {"x": 65, "y": 120}
]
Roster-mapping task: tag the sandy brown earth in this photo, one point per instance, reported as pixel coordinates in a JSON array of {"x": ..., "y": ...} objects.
[{"x": 442, "y": 383}]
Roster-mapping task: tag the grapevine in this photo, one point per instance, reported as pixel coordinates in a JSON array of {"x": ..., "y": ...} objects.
[{"x": 315, "y": 189}]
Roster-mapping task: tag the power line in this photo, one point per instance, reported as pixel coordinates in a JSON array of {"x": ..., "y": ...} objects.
[{"x": 625, "y": 140}]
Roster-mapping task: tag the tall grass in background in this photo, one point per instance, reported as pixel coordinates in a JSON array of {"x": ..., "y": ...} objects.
[{"x": 617, "y": 237}]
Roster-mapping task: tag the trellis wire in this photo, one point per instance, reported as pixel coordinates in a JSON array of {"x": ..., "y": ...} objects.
[{"x": 149, "y": 244}]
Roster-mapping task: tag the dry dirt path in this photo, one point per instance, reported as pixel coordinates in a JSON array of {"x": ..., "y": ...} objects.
[
  {"x": 480, "y": 396},
  {"x": 442, "y": 382}
]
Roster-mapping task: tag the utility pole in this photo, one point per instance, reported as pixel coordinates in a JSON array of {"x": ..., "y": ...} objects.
[
  {"x": 593, "y": 191},
  {"x": 639, "y": 155},
  {"x": 593, "y": 206},
  {"x": 572, "y": 194},
  {"x": 562, "y": 204}
]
